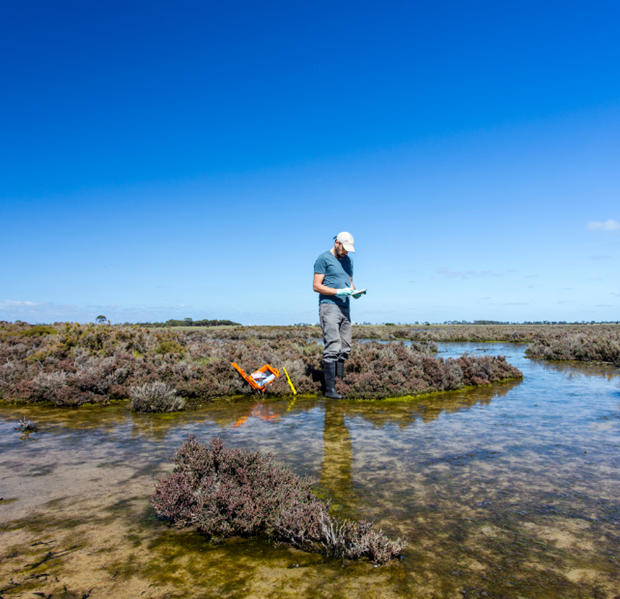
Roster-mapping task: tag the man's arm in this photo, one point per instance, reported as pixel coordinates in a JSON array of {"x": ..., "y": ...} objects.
[{"x": 318, "y": 286}]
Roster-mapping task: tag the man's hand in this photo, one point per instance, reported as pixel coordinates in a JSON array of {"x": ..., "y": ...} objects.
[
  {"x": 345, "y": 291},
  {"x": 358, "y": 295}
]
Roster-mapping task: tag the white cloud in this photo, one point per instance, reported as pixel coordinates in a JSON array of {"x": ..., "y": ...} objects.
[
  {"x": 608, "y": 225},
  {"x": 30, "y": 311},
  {"x": 11, "y": 304},
  {"x": 467, "y": 274},
  {"x": 36, "y": 311},
  {"x": 100, "y": 307}
]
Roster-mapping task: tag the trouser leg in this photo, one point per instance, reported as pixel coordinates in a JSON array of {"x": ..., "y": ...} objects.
[
  {"x": 345, "y": 334},
  {"x": 330, "y": 317},
  {"x": 336, "y": 325},
  {"x": 345, "y": 342}
]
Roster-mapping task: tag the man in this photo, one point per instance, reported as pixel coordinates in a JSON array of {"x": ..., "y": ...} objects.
[{"x": 333, "y": 281}]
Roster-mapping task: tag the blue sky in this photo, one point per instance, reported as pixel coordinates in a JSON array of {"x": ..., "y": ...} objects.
[{"x": 192, "y": 159}]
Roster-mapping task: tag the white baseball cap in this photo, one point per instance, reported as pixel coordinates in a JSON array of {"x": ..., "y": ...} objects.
[{"x": 346, "y": 239}]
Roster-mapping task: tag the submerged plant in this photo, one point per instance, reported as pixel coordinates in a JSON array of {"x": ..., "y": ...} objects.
[
  {"x": 155, "y": 397},
  {"x": 25, "y": 426},
  {"x": 225, "y": 492}
]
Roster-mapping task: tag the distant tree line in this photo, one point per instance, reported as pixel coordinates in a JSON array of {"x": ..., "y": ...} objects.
[
  {"x": 530, "y": 322},
  {"x": 189, "y": 322}
]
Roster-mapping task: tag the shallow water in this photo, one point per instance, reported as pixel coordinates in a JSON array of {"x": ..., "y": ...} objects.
[{"x": 506, "y": 491}]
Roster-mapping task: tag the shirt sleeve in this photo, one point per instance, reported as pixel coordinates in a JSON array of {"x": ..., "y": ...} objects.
[{"x": 319, "y": 266}]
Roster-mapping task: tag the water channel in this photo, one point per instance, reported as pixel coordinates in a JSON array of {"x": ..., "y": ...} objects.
[{"x": 507, "y": 491}]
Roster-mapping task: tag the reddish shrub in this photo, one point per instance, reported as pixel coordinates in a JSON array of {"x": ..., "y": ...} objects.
[
  {"x": 225, "y": 492},
  {"x": 434, "y": 372},
  {"x": 585, "y": 346},
  {"x": 93, "y": 363}
]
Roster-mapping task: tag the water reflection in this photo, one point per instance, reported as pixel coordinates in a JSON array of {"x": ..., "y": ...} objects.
[
  {"x": 571, "y": 369},
  {"x": 406, "y": 411},
  {"x": 337, "y": 454},
  {"x": 29, "y": 436}
]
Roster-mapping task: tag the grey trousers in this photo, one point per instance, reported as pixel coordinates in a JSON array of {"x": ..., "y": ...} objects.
[{"x": 336, "y": 325}]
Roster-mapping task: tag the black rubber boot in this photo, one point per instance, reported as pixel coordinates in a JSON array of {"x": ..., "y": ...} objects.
[
  {"x": 329, "y": 371},
  {"x": 340, "y": 369}
]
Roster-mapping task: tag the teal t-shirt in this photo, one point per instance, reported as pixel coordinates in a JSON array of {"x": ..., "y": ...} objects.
[{"x": 337, "y": 273}]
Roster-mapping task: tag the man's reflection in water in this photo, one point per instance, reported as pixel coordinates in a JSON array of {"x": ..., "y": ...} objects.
[{"x": 338, "y": 454}]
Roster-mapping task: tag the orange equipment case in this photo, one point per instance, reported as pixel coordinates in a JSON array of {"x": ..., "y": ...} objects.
[{"x": 252, "y": 382}]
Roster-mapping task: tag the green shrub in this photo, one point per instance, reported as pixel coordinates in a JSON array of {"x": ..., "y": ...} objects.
[
  {"x": 39, "y": 330},
  {"x": 170, "y": 347}
]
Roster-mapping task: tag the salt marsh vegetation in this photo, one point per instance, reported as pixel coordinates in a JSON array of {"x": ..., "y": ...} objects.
[{"x": 72, "y": 365}]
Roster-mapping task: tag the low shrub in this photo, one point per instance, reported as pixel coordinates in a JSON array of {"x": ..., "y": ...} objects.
[
  {"x": 39, "y": 330},
  {"x": 95, "y": 363},
  {"x": 477, "y": 333},
  {"x": 376, "y": 370},
  {"x": 155, "y": 397},
  {"x": 586, "y": 346},
  {"x": 225, "y": 492},
  {"x": 170, "y": 347}
]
